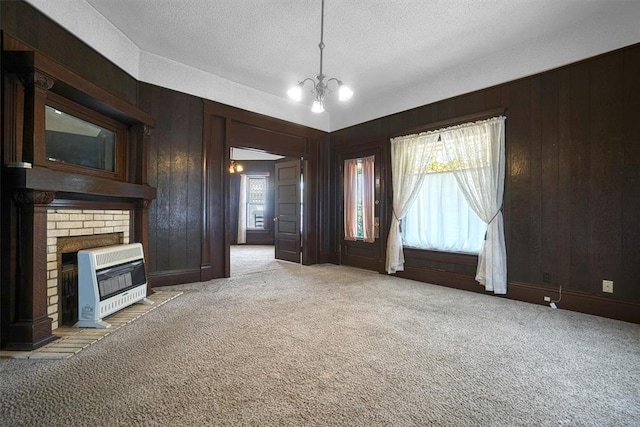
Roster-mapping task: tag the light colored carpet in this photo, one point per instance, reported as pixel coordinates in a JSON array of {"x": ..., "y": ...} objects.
[{"x": 332, "y": 345}]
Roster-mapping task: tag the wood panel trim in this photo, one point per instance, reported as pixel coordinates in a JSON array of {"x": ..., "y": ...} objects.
[
  {"x": 571, "y": 300},
  {"x": 174, "y": 277},
  {"x": 260, "y": 120},
  {"x": 474, "y": 117},
  {"x": 91, "y": 204},
  {"x": 576, "y": 301},
  {"x": 443, "y": 278},
  {"x": 449, "y": 257}
]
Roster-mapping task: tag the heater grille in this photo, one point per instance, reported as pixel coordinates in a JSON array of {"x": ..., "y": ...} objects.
[{"x": 118, "y": 256}]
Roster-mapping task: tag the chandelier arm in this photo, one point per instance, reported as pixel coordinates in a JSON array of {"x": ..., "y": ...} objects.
[
  {"x": 308, "y": 79},
  {"x": 339, "y": 82}
]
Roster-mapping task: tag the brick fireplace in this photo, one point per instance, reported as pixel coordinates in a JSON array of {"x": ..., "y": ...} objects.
[{"x": 68, "y": 231}]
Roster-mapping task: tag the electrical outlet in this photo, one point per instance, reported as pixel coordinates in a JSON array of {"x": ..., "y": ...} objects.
[
  {"x": 546, "y": 277},
  {"x": 547, "y": 299},
  {"x": 607, "y": 286}
]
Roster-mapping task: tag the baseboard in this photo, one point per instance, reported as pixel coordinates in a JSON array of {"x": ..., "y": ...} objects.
[
  {"x": 443, "y": 278},
  {"x": 571, "y": 300},
  {"x": 174, "y": 277},
  {"x": 328, "y": 258},
  {"x": 576, "y": 301},
  {"x": 364, "y": 263}
]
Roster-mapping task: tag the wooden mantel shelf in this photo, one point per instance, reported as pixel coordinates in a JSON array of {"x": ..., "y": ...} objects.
[{"x": 44, "y": 179}]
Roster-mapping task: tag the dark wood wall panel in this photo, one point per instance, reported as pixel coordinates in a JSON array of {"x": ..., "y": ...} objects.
[
  {"x": 518, "y": 197},
  {"x": 175, "y": 156},
  {"x": 630, "y": 179},
  {"x": 565, "y": 157},
  {"x": 572, "y": 188},
  {"x": 26, "y": 23},
  {"x": 536, "y": 129},
  {"x": 605, "y": 170},
  {"x": 548, "y": 125},
  {"x": 578, "y": 169}
]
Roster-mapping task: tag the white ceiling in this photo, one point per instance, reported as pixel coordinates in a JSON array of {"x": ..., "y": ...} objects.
[{"x": 395, "y": 54}]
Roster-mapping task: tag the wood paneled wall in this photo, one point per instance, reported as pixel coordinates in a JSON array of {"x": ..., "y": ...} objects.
[
  {"x": 175, "y": 169},
  {"x": 572, "y": 191},
  {"x": 572, "y": 198}
]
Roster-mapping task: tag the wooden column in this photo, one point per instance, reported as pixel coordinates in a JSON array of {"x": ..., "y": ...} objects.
[
  {"x": 30, "y": 325},
  {"x": 139, "y": 142},
  {"x": 37, "y": 85},
  {"x": 140, "y": 230}
]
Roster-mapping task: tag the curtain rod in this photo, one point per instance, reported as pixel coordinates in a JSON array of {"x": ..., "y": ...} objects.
[{"x": 474, "y": 117}]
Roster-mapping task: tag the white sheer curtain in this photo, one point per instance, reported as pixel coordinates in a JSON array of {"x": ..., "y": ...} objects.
[
  {"x": 242, "y": 210},
  {"x": 441, "y": 219},
  {"x": 478, "y": 150},
  {"x": 410, "y": 156}
]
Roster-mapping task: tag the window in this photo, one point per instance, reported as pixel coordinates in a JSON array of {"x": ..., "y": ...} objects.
[
  {"x": 359, "y": 195},
  {"x": 256, "y": 189},
  {"x": 440, "y": 218},
  {"x": 474, "y": 154}
]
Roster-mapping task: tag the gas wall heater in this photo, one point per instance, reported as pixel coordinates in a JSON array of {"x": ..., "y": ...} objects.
[{"x": 109, "y": 279}]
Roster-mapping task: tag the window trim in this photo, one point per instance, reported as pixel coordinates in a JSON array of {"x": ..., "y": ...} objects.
[{"x": 265, "y": 194}]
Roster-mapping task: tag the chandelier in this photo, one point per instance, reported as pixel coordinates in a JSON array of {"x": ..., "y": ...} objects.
[{"x": 320, "y": 87}]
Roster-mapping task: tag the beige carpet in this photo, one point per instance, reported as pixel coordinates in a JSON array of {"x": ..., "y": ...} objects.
[{"x": 330, "y": 345}]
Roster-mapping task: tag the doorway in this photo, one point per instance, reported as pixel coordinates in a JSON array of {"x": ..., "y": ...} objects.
[
  {"x": 265, "y": 210},
  {"x": 225, "y": 127}
]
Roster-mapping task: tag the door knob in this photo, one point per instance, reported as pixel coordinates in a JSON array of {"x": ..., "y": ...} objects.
[{"x": 275, "y": 219}]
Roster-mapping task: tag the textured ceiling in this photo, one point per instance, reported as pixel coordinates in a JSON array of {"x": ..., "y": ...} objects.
[
  {"x": 379, "y": 47},
  {"x": 376, "y": 46}
]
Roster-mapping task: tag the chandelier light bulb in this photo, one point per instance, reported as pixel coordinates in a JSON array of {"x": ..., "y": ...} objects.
[
  {"x": 344, "y": 92},
  {"x": 239, "y": 168},
  {"x": 295, "y": 92},
  {"x": 317, "y": 107}
]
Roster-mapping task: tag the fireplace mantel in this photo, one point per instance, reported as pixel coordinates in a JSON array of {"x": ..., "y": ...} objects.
[
  {"x": 32, "y": 182},
  {"x": 74, "y": 185}
]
